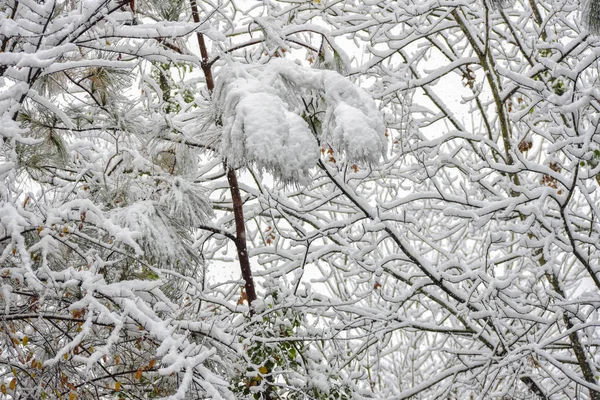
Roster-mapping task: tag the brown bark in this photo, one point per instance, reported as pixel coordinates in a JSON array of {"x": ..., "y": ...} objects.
[
  {"x": 206, "y": 67},
  {"x": 240, "y": 236},
  {"x": 236, "y": 198}
]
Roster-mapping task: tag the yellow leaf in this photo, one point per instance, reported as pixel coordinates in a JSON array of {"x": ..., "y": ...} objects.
[
  {"x": 117, "y": 386},
  {"x": 263, "y": 370},
  {"x": 13, "y": 384},
  {"x": 72, "y": 396},
  {"x": 151, "y": 363},
  {"x": 138, "y": 373},
  {"x": 3, "y": 388},
  {"x": 66, "y": 356},
  {"x": 25, "y": 341},
  {"x": 117, "y": 360}
]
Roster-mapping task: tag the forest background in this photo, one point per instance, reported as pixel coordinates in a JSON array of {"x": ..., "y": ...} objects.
[{"x": 407, "y": 191}]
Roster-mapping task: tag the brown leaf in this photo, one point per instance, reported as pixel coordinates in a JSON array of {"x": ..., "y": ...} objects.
[
  {"x": 525, "y": 145},
  {"x": 242, "y": 297}
]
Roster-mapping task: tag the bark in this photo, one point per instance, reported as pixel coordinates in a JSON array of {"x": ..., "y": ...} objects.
[
  {"x": 240, "y": 236},
  {"x": 236, "y": 198}
]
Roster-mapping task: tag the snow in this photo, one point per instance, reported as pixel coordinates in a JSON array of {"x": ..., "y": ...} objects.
[
  {"x": 265, "y": 121},
  {"x": 261, "y": 130},
  {"x": 427, "y": 264}
]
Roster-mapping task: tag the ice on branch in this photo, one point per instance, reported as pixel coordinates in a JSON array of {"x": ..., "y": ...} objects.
[{"x": 266, "y": 121}]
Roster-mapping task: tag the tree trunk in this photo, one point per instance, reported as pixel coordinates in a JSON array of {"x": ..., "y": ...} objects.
[{"x": 236, "y": 198}]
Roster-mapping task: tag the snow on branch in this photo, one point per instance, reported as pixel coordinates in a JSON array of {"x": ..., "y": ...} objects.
[{"x": 262, "y": 111}]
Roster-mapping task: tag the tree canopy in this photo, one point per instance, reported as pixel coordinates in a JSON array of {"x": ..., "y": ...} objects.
[{"x": 405, "y": 191}]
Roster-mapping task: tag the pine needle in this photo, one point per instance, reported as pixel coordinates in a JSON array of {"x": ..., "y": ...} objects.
[
  {"x": 591, "y": 16},
  {"x": 498, "y": 4}
]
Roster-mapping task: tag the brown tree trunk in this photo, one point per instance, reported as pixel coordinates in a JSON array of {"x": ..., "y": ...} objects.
[
  {"x": 236, "y": 198},
  {"x": 240, "y": 236}
]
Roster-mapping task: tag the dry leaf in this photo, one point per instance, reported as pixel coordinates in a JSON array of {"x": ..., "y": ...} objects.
[{"x": 242, "y": 298}]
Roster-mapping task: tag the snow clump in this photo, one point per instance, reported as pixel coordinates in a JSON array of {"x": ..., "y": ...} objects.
[{"x": 262, "y": 110}]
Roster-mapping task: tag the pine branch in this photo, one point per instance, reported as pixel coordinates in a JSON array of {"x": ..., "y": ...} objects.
[{"x": 591, "y": 16}]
